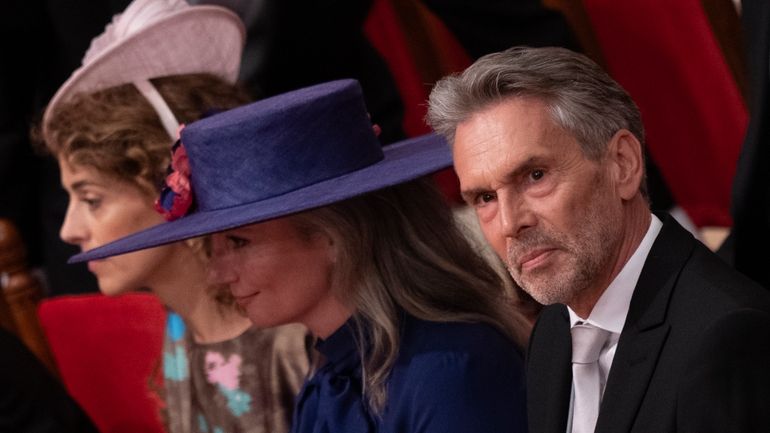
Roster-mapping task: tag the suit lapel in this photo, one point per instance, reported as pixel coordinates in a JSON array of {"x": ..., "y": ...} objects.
[
  {"x": 645, "y": 330},
  {"x": 549, "y": 372}
]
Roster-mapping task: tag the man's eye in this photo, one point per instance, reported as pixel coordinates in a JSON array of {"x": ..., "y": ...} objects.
[
  {"x": 485, "y": 197},
  {"x": 235, "y": 242},
  {"x": 537, "y": 174}
]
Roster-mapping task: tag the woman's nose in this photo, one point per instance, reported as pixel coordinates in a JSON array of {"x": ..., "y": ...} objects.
[
  {"x": 220, "y": 271},
  {"x": 73, "y": 229}
]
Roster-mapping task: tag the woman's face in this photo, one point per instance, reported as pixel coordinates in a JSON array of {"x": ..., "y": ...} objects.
[
  {"x": 279, "y": 275},
  {"x": 102, "y": 209}
]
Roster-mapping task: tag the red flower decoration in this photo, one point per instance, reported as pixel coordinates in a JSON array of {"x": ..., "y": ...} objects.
[{"x": 176, "y": 198}]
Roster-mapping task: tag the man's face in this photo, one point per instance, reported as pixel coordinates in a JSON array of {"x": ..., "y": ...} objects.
[{"x": 550, "y": 213}]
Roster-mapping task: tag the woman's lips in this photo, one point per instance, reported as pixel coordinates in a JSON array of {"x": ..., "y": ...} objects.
[
  {"x": 245, "y": 300},
  {"x": 93, "y": 265}
]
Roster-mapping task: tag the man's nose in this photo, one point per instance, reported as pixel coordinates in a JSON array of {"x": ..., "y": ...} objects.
[{"x": 515, "y": 214}]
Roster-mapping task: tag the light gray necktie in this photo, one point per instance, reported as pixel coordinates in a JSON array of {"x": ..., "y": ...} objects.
[{"x": 587, "y": 342}]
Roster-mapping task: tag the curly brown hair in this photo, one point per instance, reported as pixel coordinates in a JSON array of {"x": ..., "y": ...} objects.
[{"x": 117, "y": 132}]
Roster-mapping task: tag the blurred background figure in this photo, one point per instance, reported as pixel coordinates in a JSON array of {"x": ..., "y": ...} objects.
[
  {"x": 746, "y": 248},
  {"x": 31, "y": 399}
]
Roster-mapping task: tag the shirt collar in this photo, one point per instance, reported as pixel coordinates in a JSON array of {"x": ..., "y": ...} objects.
[
  {"x": 611, "y": 309},
  {"x": 339, "y": 346}
]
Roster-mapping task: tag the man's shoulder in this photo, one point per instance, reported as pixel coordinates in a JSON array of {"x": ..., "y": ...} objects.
[
  {"x": 702, "y": 283},
  {"x": 710, "y": 304},
  {"x": 710, "y": 286}
]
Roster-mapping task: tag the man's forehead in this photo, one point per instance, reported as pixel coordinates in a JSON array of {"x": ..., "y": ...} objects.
[{"x": 504, "y": 128}]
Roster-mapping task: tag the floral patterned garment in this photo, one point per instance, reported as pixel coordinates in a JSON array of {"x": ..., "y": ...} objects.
[{"x": 247, "y": 384}]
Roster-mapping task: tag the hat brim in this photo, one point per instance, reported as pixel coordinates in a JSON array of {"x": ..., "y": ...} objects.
[
  {"x": 201, "y": 39},
  {"x": 403, "y": 161}
]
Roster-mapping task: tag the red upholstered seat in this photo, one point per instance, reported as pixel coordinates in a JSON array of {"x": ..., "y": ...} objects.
[{"x": 107, "y": 350}]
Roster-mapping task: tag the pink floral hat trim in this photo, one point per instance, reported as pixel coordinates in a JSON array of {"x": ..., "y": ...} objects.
[{"x": 176, "y": 199}]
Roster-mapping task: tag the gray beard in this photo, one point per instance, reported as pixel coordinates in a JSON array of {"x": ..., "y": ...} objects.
[{"x": 586, "y": 256}]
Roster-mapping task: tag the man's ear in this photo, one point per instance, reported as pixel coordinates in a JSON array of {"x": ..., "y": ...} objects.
[{"x": 624, "y": 153}]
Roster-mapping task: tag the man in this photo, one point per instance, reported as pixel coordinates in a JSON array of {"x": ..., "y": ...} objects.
[{"x": 645, "y": 330}]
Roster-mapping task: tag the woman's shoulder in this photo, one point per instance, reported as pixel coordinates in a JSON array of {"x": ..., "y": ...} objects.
[
  {"x": 425, "y": 338},
  {"x": 456, "y": 377},
  {"x": 439, "y": 351}
]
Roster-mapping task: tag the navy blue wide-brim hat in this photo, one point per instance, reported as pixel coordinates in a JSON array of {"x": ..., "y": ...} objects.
[{"x": 278, "y": 156}]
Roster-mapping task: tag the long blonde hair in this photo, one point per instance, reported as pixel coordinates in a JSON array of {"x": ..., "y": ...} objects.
[{"x": 399, "y": 249}]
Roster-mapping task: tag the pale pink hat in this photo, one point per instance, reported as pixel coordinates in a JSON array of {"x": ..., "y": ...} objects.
[{"x": 157, "y": 38}]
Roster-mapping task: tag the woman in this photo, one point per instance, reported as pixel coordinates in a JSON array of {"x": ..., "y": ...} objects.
[
  {"x": 313, "y": 222},
  {"x": 109, "y": 127}
]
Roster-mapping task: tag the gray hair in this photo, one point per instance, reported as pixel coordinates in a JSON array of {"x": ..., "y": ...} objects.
[
  {"x": 581, "y": 97},
  {"x": 399, "y": 250}
]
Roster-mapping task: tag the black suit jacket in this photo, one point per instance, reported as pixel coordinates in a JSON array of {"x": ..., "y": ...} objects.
[{"x": 693, "y": 355}]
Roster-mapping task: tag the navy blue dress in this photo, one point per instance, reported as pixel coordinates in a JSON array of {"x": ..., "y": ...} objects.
[{"x": 448, "y": 378}]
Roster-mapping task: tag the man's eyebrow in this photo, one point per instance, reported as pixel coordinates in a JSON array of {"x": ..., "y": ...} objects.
[
  {"x": 527, "y": 165},
  {"x": 470, "y": 194}
]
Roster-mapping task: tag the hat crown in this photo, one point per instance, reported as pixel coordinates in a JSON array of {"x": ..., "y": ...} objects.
[
  {"x": 138, "y": 15},
  {"x": 280, "y": 144},
  {"x": 157, "y": 38}
]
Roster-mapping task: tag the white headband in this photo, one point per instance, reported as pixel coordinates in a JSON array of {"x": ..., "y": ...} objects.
[{"x": 166, "y": 116}]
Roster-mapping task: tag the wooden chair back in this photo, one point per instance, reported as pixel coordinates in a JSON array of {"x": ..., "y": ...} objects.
[{"x": 20, "y": 294}]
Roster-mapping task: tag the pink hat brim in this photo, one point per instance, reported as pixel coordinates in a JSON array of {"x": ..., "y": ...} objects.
[{"x": 200, "y": 39}]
